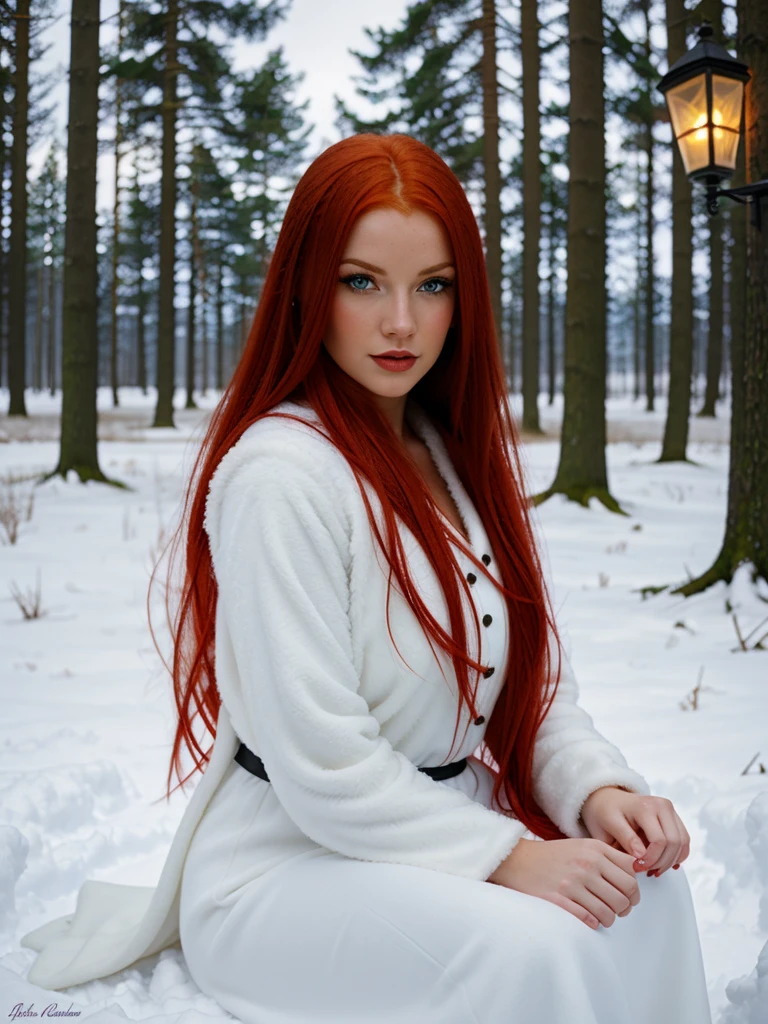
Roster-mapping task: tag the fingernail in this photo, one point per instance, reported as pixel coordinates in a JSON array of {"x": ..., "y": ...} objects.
[
  {"x": 641, "y": 862},
  {"x": 676, "y": 866}
]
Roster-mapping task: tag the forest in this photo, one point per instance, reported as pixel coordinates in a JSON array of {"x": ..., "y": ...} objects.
[
  {"x": 615, "y": 154},
  {"x": 160, "y": 289}
]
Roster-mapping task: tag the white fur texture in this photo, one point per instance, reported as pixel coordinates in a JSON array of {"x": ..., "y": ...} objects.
[{"x": 311, "y": 681}]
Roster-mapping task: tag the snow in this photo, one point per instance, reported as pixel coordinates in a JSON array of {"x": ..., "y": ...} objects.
[{"x": 88, "y": 712}]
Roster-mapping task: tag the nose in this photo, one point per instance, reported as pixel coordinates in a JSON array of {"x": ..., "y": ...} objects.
[{"x": 398, "y": 319}]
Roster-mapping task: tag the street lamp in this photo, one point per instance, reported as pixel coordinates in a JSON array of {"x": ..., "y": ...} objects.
[{"x": 704, "y": 91}]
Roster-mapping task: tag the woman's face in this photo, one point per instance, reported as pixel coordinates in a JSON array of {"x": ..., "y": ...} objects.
[{"x": 395, "y": 291}]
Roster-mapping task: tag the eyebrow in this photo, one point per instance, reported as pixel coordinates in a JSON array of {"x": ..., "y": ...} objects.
[{"x": 380, "y": 270}]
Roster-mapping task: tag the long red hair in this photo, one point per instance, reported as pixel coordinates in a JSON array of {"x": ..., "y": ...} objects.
[{"x": 465, "y": 396}]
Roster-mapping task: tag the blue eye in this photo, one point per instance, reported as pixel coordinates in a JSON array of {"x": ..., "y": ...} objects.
[
  {"x": 446, "y": 284},
  {"x": 355, "y": 277},
  {"x": 442, "y": 281}
]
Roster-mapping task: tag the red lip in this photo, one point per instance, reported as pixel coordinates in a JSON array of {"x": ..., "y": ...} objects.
[{"x": 395, "y": 353}]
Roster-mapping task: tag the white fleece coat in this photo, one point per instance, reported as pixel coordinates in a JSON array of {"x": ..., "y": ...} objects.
[{"x": 311, "y": 682}]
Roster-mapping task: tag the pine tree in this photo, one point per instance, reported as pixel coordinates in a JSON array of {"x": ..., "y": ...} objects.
[
  {"x": 78, "y": 448},
  {"x": 581, "y": 473},
  {"x": 17, "y": 264},
  {"x": 746, "y": 528},
  {"x": 529, "y": 31},
  {"x": 178, "y": 43},
  {"x": 47, "y": 198},
  {"x": 675, "y": 440},
  {"x": 712, "y": 10}
]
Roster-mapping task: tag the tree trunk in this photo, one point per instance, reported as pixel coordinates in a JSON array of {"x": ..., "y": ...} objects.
[
  {"x": 37, "y": 369},
  {"x": 491, "y": 163},
  {"x": 529, "y": 30},
  {"x": 637, "y": 343},
  {"x": 141, "y": 340},
  {"x": 551, "y": 302},
  {"x": 713, "y": 11},
  {"x": 746, "y": 529},
  {"x": 513, "y": 338},
  {"x": 581, "y": 473},
  {"x": 243, "y": 321},
  {"x": 166, "y": 325},
  {"x": 650, "y": 282},
  {"x": 220, "y": 328},
  {"x": 17, "y": 263},
  {"x": 52, "y": 327},
  {"x": 191, "y": 309},
  {"x": 715, "y": 332},
  {"x": 681, "y": 319},
  {"x": 79, "y": 321},
  {"x": 3, "y": 260},
  {"x": 205, "y": 371},
  {"x": 116, "y": 212}
]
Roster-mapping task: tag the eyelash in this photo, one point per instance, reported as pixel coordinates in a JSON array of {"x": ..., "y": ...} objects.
[{"x": 361, "y": 291}]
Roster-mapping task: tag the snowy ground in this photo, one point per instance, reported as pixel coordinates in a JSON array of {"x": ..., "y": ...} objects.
[{"x": 87, "y": 713}]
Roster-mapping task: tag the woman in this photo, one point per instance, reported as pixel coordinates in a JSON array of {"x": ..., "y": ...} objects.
[{"x": 357, "y": 504}]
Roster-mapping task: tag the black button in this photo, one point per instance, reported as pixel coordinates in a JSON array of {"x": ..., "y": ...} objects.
[
  {"x": 471, "y": 577},
  {"x": 486, "y": 559},
  {"x": 489, "y": 672},
  {"x": 480, "y": 719},
  {"x": 487, "y": 620}
]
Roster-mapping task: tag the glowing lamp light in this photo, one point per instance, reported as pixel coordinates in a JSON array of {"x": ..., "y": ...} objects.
[{"x": 704, "y": 91}]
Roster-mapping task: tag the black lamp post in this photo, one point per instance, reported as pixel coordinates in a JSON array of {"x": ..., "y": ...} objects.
[{"x": 704, "y": 91}]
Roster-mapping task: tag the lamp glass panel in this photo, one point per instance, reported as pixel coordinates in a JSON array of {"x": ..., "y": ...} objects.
[
  {"x": 687, "y": 105},
  {"x": 726, "y": 110}
]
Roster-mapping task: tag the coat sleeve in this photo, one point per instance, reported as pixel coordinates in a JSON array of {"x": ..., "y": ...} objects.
[
  {"x": 281, "y": 562},
  {"x": 571, "y": 759}
]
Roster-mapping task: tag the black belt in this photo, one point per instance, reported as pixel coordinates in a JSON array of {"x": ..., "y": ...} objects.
[{"x": 253, "y": 764}]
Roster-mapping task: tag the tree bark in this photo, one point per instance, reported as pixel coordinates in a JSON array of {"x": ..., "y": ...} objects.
[
  {"x": 650, "y": 282},
  {"x": 551, "y": 303},
  {"x": 650, "y": 225},
  {"x": 713, "y": 11},
  {"x": 491, "y": 164},
  {"x": 675, "y": 440},
  {"x": 52, "y": 327},
  {"x": 715, "y": 331},
  {"x": 192, "y": 304},
  {"x": 582, "y": 473},
  {"x": 113, "y": 368},
  {"x": 37, "y": 369},
  {"x": 220, "y": 326},
  {"x": 79, "y": 421},
  {"x": 17, "y": 263},
  {"x": 529, "y": 29},
  {"x": 637, "y": 322},
  {"x": 166, "y": 320},
  {"x": 746, "y": 528}
]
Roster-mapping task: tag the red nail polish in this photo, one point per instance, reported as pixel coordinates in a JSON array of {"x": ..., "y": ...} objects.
[{"x": 676, "y": 867}]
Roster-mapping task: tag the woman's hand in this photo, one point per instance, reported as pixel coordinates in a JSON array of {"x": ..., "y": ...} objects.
[
  {"x": 648, "y": 827},
  {"x": 591, "y": 880}
]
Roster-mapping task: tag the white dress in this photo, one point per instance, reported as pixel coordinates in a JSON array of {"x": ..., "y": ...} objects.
[
  {"x": 325, "y": 937},
  {"x": 351, "y": 888}
]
